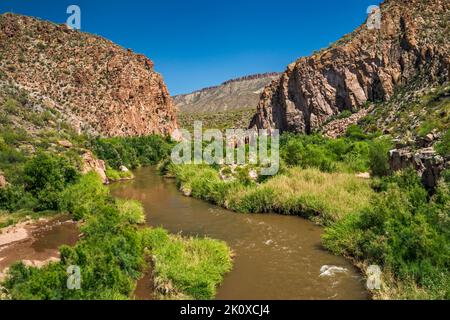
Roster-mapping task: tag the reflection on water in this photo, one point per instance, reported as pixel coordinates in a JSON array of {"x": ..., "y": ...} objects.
[{"x": 276, "y": 257}]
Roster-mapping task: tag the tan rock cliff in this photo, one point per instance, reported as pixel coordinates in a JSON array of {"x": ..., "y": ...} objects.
[{"x": 367, "y": 65}]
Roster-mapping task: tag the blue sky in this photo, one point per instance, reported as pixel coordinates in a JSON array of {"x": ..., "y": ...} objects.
[{"x": 201, "y": 43}]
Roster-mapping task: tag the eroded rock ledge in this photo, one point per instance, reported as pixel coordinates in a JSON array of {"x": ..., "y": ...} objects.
[
  {"x": 96, "y": 85},
  {"x": 367, "y": 65}
]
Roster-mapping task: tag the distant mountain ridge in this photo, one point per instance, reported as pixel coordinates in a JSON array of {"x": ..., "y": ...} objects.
[{"x": 235, "y": 94}]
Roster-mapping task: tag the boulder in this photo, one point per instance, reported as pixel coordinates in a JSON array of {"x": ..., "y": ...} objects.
[
  {"x": 65, "y": 144},
  {"x": 124, "y": 169},
  {"x": 426, "y": 162}
]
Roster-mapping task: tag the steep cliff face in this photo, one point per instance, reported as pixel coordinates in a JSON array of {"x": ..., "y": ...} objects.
[
  {"x": 96, "y": 85},
  {"x": 367, "y": 65},
  {"x": 236, "y": 94}
]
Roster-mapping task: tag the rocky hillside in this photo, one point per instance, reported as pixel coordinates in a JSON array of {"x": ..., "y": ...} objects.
[
  {"x": 411, "y": 50},
  {"x": 236, "y": 94},
  {"x": 97, "y": 86}
]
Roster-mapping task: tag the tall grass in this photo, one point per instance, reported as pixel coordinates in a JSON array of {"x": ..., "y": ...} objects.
[
  {"x": 187, "y": 268},
  {"x": 326, "y": 197}
]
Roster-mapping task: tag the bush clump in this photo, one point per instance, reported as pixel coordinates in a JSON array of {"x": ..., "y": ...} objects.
[{"x": 46, "y": 176}]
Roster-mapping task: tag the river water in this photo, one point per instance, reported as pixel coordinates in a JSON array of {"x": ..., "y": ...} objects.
[{"x": 276, "y": 257}]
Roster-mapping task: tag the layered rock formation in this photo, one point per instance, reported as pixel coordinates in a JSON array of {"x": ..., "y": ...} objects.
[
  {"x": 425, "y": 161},
  {"x": 97, "y": 86},
  {"x": 236, "y": 94},
  {"x": 367, "y": 65}
]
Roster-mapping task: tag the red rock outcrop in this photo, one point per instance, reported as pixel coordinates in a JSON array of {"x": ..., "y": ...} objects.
[
  {"x": 99, "y": 87},
  {"x": 3, "y": 182},
  {"x": 367, "y": 65},
  {"x": 91, "y": 163}
]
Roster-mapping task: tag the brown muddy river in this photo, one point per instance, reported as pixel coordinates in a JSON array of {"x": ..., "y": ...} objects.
[
  {"x": 42, "y": 244},
  {"x": 276, "y": 257}
]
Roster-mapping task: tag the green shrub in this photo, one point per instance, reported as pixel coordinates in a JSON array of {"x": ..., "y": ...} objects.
[
  {"x": 426, "y": 127},
  {"x": 46, "y": 176},
  {"x": 443, "y": 147},
  {"x": 131, "y": 211},
  {"x": 110, "y": 257},
  {"x": 403, "y": 232},
  {"x": 85, "y": 196},
  {"x": 14, "y": 198},
  {"x": 355, "y": 132},
  {"x": 4, "y": 118},
  {"x": 345, "y": 114},
  {"x": 115, "y": 175},
  {"x": 379, "y": 157},
  {"x": 307, "y": 153},
  {"x": 14, "y": 136},
  {"x": 12, "y": 106},
  {"x": 111, "y": 253}
]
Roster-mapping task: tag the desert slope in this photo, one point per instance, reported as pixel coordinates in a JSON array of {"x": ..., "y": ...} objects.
[
  {"x": 236, "y": 94},
  {"x": 98, "y": 87},
  {"x": 367, "y": 65}
]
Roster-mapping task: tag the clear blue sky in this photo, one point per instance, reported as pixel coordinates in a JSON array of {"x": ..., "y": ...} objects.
[{"x": 199, "y": 43}]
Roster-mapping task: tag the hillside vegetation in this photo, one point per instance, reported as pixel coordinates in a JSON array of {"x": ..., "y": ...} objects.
[
  {"x": 390, "y": 220},
  {"x": 41, "y": 161}
]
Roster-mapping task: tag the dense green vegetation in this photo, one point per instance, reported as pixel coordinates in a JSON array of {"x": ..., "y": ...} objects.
[
  {"x": 390, "y": 220},
  {"x": 316, "y": 179},
  {"x": 131, "y": 152},
  {"x": 44, "y": 179},
  {"x": 308, "y": 192},
  {"x": 111, "y": 254},
  {"x": 356, "y": 152},
  {"x": 443, "y": 147},
  {"x": 403, "y": 231},
  {"x": 36, "y": 167}
]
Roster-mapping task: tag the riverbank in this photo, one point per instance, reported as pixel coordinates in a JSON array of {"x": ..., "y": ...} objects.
[
  {"x": 380, "y": 222},
  {"x": 35, "y": 243},
  {"x": 275, "y": 257},
  {"x": 113, "y": 244}
]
